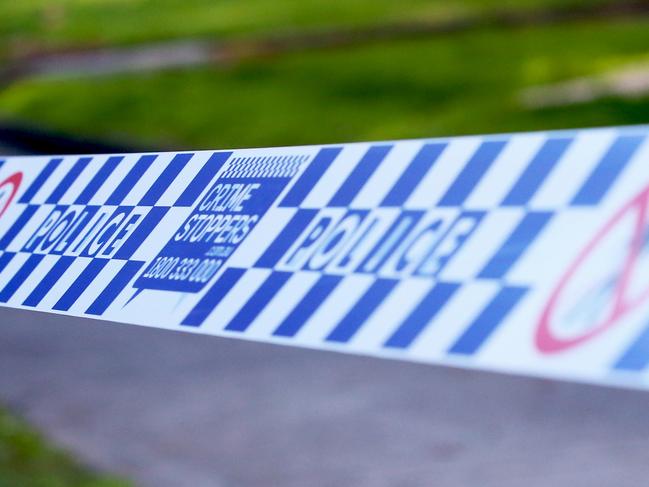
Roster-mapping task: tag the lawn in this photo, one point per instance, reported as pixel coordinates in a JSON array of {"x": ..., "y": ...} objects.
[
  {"x": 26, "y": 460},
  {"x": 33, "y": 23},
  {"x": 465, "y": 83}
]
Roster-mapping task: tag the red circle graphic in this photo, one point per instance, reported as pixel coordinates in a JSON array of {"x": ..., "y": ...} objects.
[
  {"x": 14, "y": 180},
  {"x": 636, "y": 209}
]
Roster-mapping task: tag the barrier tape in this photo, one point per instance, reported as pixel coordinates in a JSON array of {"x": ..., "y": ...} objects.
[{"x": 524, "y": 253}]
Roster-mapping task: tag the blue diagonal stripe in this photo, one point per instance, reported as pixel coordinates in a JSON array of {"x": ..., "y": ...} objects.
[
  {"x": 255, "y": 305},
  {"x": 286, "y": 238},
  {"x": 488, "y": 320},
  {"x": 38, "y": 183},
  {"x": 5, "y": 258},
  {"x": 19, "y": 277},
  {"x": 17, "y": 226},
  {"x": 422, "y": 315},
  {"x": 307, "y": 306},
  {"x": 364, "y": 307},
  {"x": 472, "y": 173},
  {"x": 165, "y": 179},
  {"x": 413, "y": 174},
  {"x": 48, "y": 281},
  {"x": 607, "y": 171},
  {"x": 80, "y": 284},
  {"x": 310, "y": 176},
  {"x": 98, "y": 179},
  {"x": 141, "y": 232},
  {"x": 537, "y": 171},
  {"x": 202, "y": 179},
  {"x": 516, "y": 244},
  {"x": 636, "y": 357},
  {"x": 116, "y": 286},
  {"x": 131, "y": 179},
  {"x": 213, "y": 297},
  {"x": 68, "y": 180},
  {"x": 359, "y": 175}
]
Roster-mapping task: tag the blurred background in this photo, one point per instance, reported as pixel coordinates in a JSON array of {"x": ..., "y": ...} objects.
[
  {"x": 102, "y": 75},
  {"x": 240, "y": 73}
]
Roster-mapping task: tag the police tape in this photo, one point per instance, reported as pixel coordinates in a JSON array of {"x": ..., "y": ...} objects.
[{"x": 523, "y": 253}]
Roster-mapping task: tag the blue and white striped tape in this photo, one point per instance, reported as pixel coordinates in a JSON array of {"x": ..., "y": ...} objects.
[{"x": 524, "y": 253}]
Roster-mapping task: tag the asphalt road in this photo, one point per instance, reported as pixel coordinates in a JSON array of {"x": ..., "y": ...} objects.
[{"x": 171, "y": 409}]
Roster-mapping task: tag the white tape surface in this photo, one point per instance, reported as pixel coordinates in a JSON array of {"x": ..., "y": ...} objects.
[{"x": 524, "y": 253}]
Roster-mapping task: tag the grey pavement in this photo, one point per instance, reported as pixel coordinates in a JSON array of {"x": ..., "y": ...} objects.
[{"x": 170, "y": 409}]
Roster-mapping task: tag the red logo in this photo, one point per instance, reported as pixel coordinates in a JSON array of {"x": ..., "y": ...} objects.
[
  {"x": 608, "y": 280},
  {"x": 8, "y": 189}
]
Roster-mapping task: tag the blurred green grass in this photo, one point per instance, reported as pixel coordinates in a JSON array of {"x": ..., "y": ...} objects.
[
  {"x": 464, "y": 83},
  {"x": 71, "y": 22},
  {"x": 27, "y": 461}
]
